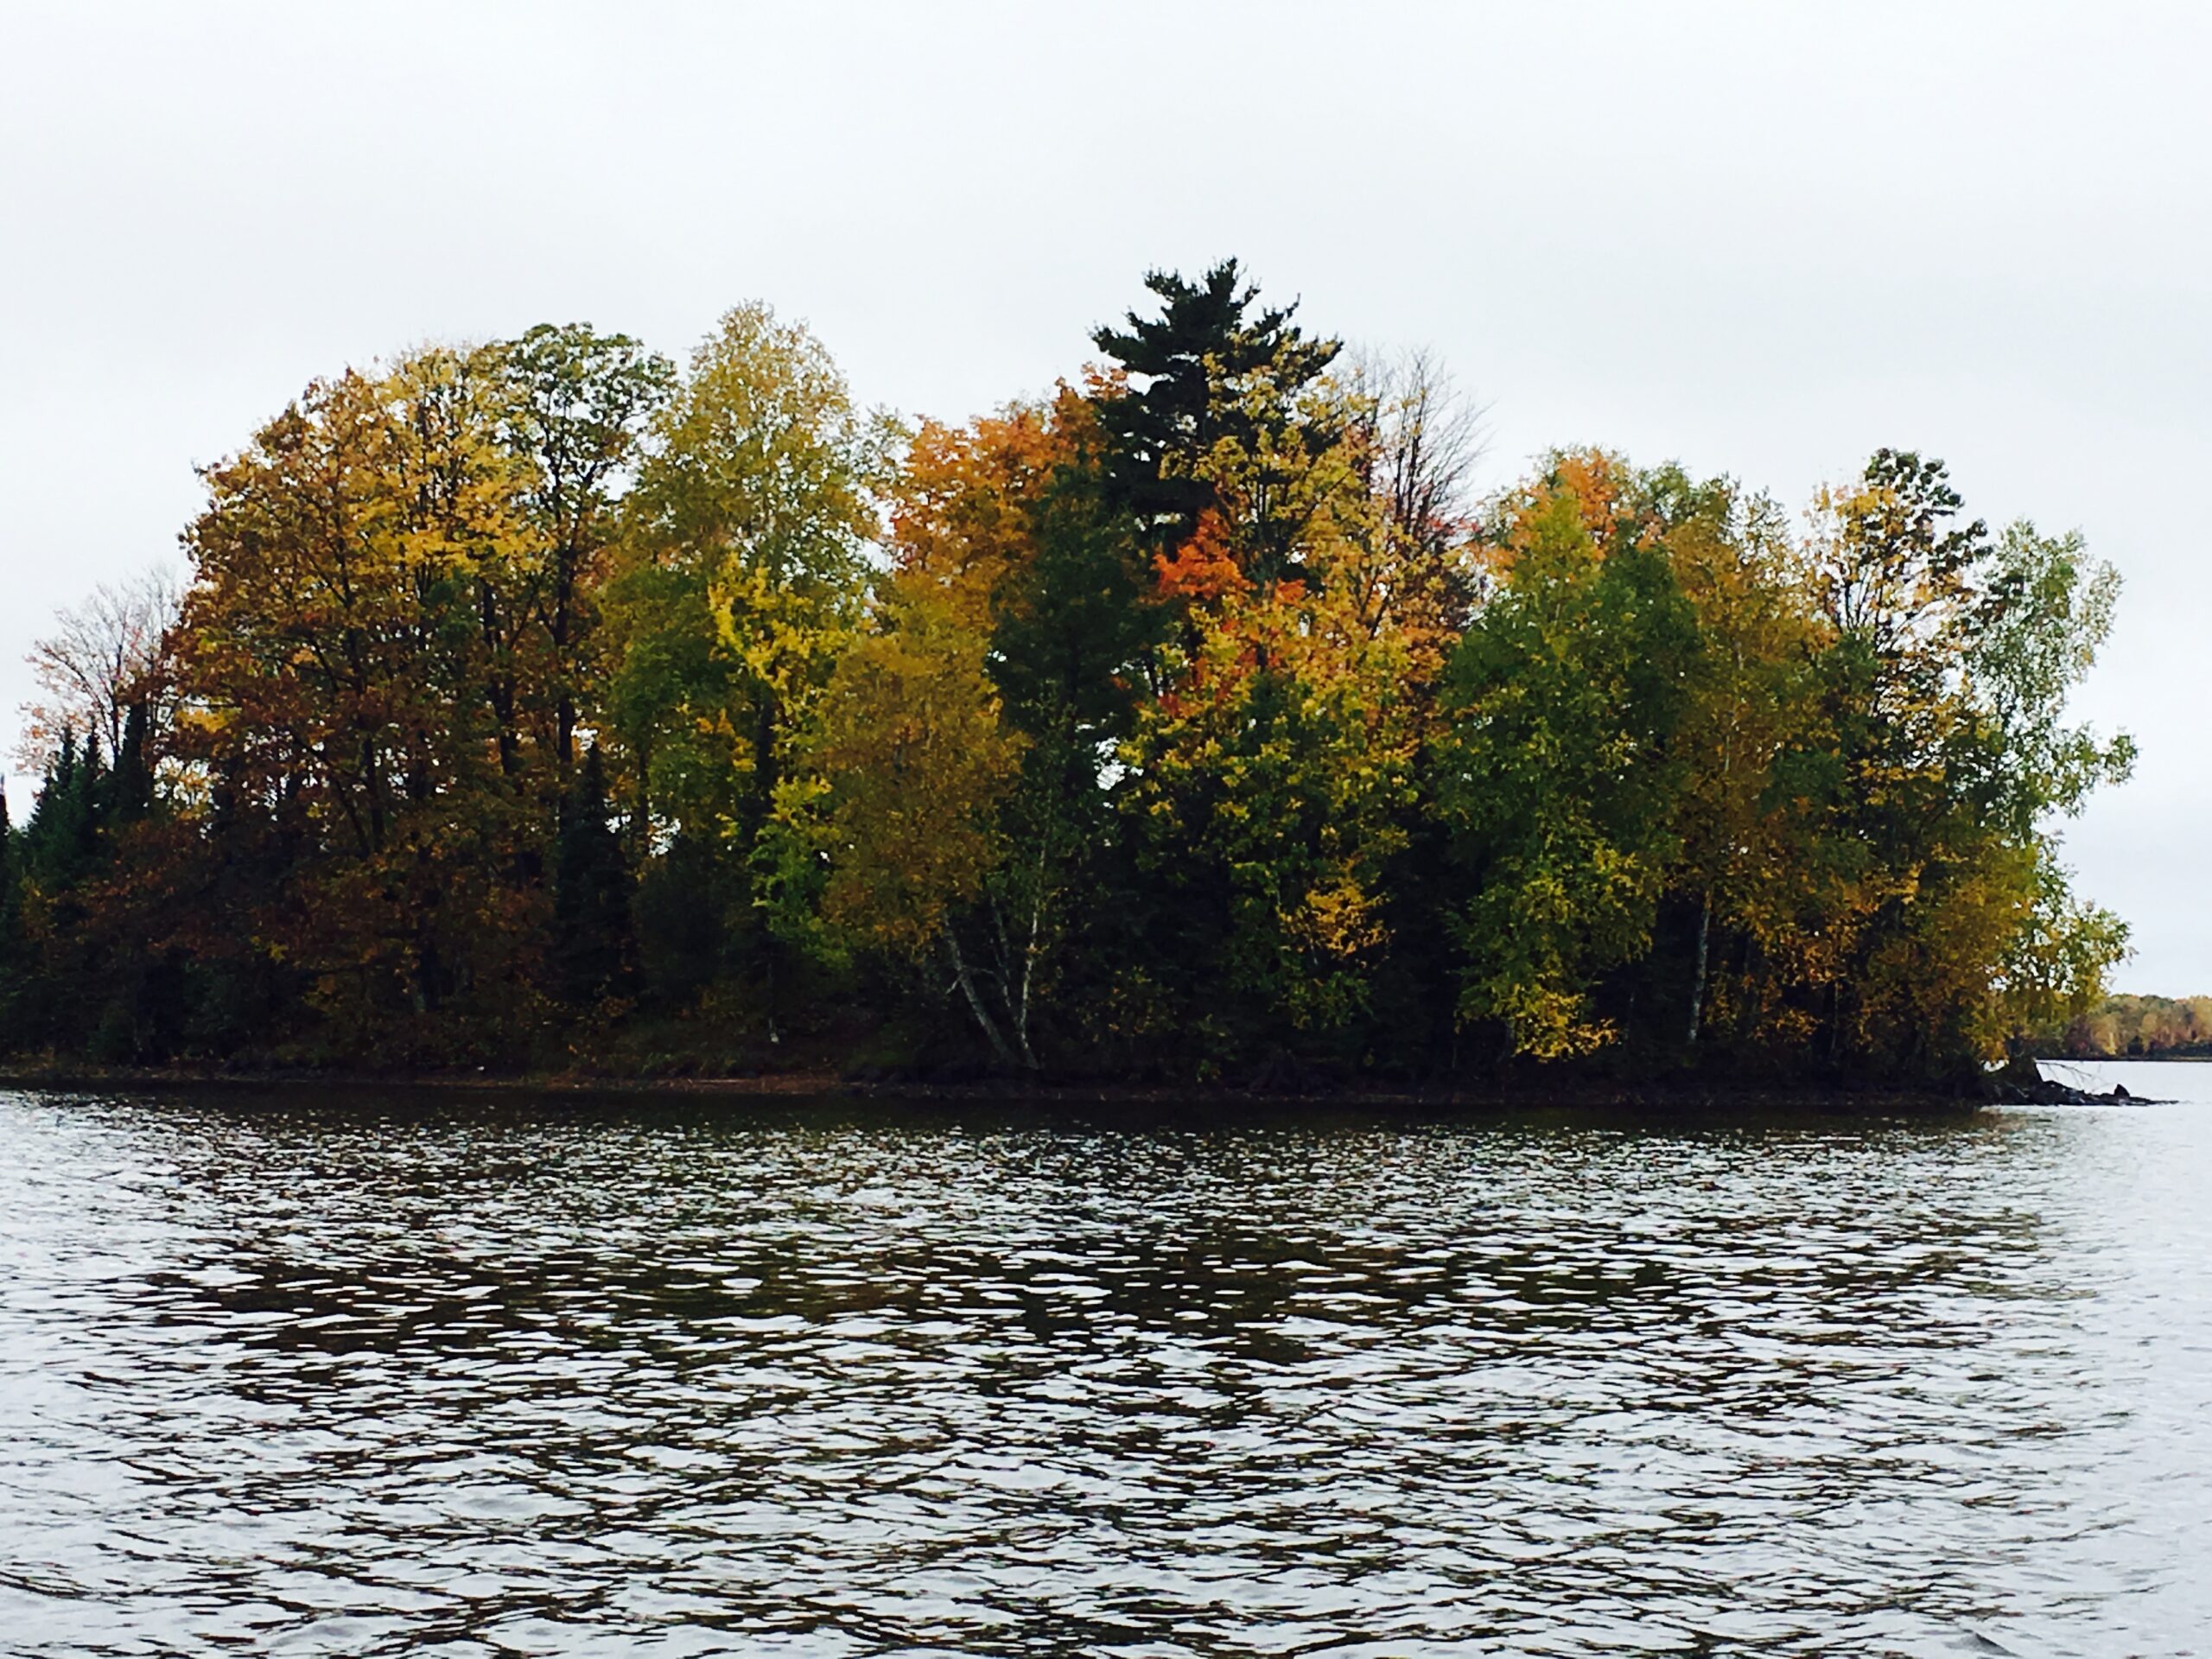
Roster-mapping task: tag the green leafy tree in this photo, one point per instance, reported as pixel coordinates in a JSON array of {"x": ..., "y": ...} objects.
[
  {"x": 1751, "y": 709},
  {"x": 1559, "y": 775},
  {"x": 915, "y": 763},
  {"x": 984, "y": 699},
  {"x": 2047, "y": 611},
  {"x": 578, "y": 403},
  {"x": 1946, "y": 681},
  {"x": 1264, "y": 804},
  {"x": 739, "y": 583}
]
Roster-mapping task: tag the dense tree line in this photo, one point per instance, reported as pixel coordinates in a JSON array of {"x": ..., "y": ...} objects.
[
  {"x": 543, "y": 703},
  {"x": 2136, "y": 1028}
]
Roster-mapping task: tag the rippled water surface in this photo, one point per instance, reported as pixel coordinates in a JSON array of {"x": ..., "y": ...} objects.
[{"x": 289, "y": 1373}]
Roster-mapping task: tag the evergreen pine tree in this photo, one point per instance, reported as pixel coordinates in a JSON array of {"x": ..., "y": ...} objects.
[
  {"x": 1212, "y": 374},
  {"x": 591, "y": 890},
  {"x": 94, "y": 789},
  {"x": 65, "y": 973},
  {"x": 132, "y": 785},
  {"x": 62, "y": 841},
  {"x": 11, "y": 927},
  {"x": 47, "y": 836}
]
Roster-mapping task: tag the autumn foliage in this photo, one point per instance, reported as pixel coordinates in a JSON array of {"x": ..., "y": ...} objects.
[{"x": 543, "y": 705}]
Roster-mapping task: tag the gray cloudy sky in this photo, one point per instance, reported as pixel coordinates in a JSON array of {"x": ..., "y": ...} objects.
[{"x": 1762, "y": 239}]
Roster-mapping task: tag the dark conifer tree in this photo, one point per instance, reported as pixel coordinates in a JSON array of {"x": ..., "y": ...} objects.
[
  {"x": 60, "y": 851},
  {"x": 591, "y": 891},
  {"x": 12, "y": 964},
  {"x": 1198, "y": 362},
  {"x": 60, "y": 842},
  {"x": 130, "y": 787}
]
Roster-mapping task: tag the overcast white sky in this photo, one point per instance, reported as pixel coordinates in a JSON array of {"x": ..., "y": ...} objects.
[{"x": 1761, "y": 239}]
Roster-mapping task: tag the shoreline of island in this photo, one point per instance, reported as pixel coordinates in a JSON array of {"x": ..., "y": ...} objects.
[{"x": 1514, "y": 1092}]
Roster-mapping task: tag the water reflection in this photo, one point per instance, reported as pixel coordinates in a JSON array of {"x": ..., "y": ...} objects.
[{"x": 383, "y": 1376}]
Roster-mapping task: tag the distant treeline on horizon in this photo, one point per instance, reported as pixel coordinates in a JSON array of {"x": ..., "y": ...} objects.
[
  {"x": 2136, "y": 1028},
  {"x": 540, "y": 704}
]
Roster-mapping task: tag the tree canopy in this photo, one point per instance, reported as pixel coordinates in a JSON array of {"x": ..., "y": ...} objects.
[{"x": 542, "y": 704}]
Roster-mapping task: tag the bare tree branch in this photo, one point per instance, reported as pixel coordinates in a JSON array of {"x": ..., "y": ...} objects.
[{"x": 103, "y": 657}]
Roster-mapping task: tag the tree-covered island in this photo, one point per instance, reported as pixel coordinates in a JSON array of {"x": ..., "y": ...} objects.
[{"x": 539, "y": 706}]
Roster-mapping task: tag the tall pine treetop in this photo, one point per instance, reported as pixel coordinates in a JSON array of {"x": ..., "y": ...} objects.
[{"x": 1198, "y": 358}]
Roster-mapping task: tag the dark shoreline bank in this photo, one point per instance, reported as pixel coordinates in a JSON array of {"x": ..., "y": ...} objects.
[{"x": 1514, "y": 1093}]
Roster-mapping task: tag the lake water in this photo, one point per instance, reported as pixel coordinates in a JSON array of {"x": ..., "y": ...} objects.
[{"x": 299, "y": 1374}]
